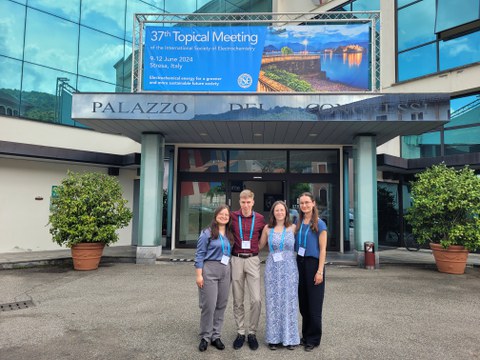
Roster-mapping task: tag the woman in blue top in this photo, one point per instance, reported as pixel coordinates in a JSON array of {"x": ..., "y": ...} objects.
[
  {"x": 212, "y": 268},
  {"x": 281, "y": 280},
  {"x": 311, "y": 245}
]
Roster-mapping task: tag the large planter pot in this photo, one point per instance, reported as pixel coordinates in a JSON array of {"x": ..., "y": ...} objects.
[
  {"x": 86, "y": 256},
  {"x": 451, "y": 260}
]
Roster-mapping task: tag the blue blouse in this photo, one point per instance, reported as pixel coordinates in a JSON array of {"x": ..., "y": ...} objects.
[
  {"x": 210, "y": 250},
  {"x": 312, "y": 248}
]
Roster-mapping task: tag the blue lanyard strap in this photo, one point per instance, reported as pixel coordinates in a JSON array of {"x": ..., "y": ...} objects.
[
  {"x": 270, "y": 240},
  {"x": 251, "y": 227},
  {"x": 304, "y": 237},
  {"x": 222, "y": 240}
]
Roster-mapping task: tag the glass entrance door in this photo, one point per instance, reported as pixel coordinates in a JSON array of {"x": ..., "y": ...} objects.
[
  {"x": 266, "y": 193},
  {"x": 326, "y": 199}
]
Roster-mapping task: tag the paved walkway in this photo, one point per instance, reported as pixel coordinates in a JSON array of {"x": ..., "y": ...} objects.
[
  {"x": 127, "y": 254},
  {"x": 124, "y": 311}
]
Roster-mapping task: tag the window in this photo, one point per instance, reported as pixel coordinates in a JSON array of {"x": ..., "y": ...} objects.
[
  {"x": 451, "y": 14},
  {"x": 436, "y": 35},
  {"x": 258, "y": 161},
  {"x": 56, "y": 47},
  {"x": 12, "y": 24}
]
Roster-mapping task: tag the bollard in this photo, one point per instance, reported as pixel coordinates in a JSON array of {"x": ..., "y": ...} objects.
[{"x": 369, "y": 249}]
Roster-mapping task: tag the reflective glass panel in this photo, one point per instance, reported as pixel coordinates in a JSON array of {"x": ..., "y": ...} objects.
[
  {"x": 123, "y": 71},
  {"x": 416, "y": 24},
  {"x": 258, "y": 161},
  {"x": 12, "y": 24},
  {"x": 388, "y": 214},
  {"x": 418, "y": 146},
  {"x": 417, "y": 62},
  {"x": 366, "y": 5},
  {"x": 51, "y": 41},
  {"x": 202, "y": 160},
  {"x": 326, "y": 198},
  {"x": 87, "y": 84},
  {"x": 460, "y": 51},
  {"x": 185, "y": 6},
  {"x": 455, "y": 13},
  {"x": 198, "y": 201},
  {"x": 462, "y": 141},
  {"x": 39, "y": 92},
  {"x": 99, "y": 53},
  {"x": 137, "y": 6},
  {"x": 464, "y": 111},
  {"x": 109, "y": 17},
  {"x": 11, "y": 71},
  {"x": 66, "y": 9},
  {"x": 314, "y": 161},
  {"x": 401, "y": 3}
]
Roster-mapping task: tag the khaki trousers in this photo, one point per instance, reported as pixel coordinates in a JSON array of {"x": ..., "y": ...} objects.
[{"x": 246, "y": 272}]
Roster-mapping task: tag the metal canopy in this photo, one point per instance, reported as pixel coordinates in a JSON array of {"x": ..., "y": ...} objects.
[{"x": 251, "y": 119}]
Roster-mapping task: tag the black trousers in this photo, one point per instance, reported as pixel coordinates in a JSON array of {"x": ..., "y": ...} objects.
[{"x": 310, "y": 299}]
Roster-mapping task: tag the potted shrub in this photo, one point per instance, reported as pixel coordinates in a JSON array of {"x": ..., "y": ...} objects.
[
  {"x": 446, "y": 213},
  {"x": 85, "y": 214}
]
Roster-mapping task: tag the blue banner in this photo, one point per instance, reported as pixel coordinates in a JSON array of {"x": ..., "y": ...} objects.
[
  {"x": 203, "y": 58},
  {"x": 303, "y": 58}
]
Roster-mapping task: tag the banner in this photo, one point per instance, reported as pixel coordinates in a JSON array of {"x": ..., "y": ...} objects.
[{"x": 306, "y": 58}]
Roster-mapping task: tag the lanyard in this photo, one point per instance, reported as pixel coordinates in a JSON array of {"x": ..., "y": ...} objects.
[
  {"x": 304, "y": 237},
  {"x": 251, "y": 228},
  {"x": 223, "y": 246},
  {"x": 270, "y": 240}
]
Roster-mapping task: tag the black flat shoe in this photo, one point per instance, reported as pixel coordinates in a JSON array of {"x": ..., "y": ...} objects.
[
  {"x": 218, "y": 344},
  {"x": 273, "y": 346},
  {"x": 291, "y": 347},
  {"x": 203, "y": 345},
  {"x": 309, "y": 347},
  {"x": 238, "y": 343},
  {"x": 252, "y": 341}
]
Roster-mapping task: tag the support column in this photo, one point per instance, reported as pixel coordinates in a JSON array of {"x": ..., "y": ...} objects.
[
  {"x": 365, "y": 167},
  {"x": 151, "y": 198}
]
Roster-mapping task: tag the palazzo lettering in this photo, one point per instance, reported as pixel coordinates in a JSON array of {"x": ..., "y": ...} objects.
[{"x": 144, "y": 108}]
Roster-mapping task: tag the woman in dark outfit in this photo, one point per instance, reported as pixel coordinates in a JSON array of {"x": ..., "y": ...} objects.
[{"x": 311, "y": 246}]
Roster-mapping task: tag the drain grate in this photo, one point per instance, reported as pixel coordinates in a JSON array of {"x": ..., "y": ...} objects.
[{"x": 17, "y": 305}]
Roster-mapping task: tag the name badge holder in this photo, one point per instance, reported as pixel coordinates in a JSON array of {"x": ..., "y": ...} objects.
[
  {"x": 277, "y": 256},
  {"x": 246, "y": 244},
  {"x": 302, "y": 247},
  {"x": 225, "y": 258}
]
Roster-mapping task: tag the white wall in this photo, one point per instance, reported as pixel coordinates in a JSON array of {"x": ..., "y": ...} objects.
[
  {"x": 65, "y": 137},
  {"x": 23, "y": 220}
]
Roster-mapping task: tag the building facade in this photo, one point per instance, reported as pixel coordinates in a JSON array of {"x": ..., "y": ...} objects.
[{"x": 88, "y": 49}]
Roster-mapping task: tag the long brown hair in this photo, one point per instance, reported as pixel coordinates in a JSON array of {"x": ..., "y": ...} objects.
[
  {"x": 214, "y": 225},
  {"x": 272, "y": 221},
  {"x": 313, "y": 220}
]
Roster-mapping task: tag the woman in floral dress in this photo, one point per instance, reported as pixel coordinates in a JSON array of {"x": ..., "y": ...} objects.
[{"x": 281, "y": 280}]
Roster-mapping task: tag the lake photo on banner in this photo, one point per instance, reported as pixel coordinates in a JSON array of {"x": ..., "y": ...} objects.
[{"x": 347, "y": 68}]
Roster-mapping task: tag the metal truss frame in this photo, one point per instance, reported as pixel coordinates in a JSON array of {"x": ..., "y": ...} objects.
[{"x": 275, "y": 19}]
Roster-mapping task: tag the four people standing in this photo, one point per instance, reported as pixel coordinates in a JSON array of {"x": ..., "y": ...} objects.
[{"x": 289, "y": 285}]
